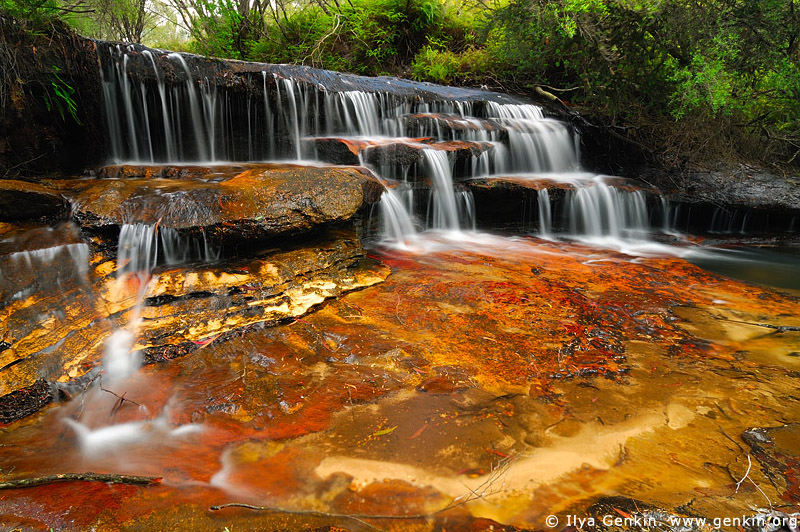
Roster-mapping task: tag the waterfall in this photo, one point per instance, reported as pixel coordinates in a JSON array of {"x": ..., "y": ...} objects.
[
  {"x": 602, "y": 210},
  {"x": 398, "y": 225},
  {"x": 137, "y": 254},
  {"x": 536, "y": 143},
  {"x": 545, "y": 214},
  {"x": 443, "y": 206},
  {"x": 137, "y": 257},
  {"x": 186, "y": 115}
]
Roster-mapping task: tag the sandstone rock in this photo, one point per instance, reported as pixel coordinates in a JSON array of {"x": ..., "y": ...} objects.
[
  {"x": 260, "y": 202},
  {"x": 408, "y": 153},
  {"x": 20, "y": 200},
  {"x": 60, "y": 334},
  {"x": 338, "y": 150}
]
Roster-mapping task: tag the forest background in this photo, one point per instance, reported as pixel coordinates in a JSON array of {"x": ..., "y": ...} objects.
[{"x": 691, "y": 82}]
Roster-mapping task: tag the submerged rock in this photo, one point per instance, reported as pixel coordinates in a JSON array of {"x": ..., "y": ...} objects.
[{"x": 260, "y": 202}]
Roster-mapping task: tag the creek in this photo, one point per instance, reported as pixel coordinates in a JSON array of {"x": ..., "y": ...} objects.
[{"x": 384, "y": 306}]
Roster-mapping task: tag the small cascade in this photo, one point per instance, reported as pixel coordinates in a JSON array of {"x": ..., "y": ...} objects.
[
  {"x": 295, "y": 118},
  {"x": 398, "y": 224},
  {"x": 536, "y": 143},
  {"x": 443, "y": 206},
  {"x": 185, "y": 111},
  {"x": 545, "y": 213},
  {"x": 64, "y": 263},
  {"x": 138, "y": 254},
  {"x": 602, "y": 210}
]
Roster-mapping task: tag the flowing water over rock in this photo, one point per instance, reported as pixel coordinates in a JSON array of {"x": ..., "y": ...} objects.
[{"x": 447, "y": 378}]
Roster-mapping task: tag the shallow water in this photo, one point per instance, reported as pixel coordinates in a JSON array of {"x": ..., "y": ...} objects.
[
  {"x": 771, "y": 266},
  {"x": 526, "y": 379}
]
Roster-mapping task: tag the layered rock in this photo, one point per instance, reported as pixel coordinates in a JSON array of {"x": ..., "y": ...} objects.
[
  {"x": 20, "y": 200},
  {"x": 260, "y": 202},
  {"x": 394, "y": 153},
  {"x": 184, "y": 308}
]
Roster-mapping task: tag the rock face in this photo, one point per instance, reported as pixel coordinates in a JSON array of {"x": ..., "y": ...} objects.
[
  {"x": 259, "y": 202},
  {"x": 38, "y": 132},
  {"x": 742, "y": 187},
  {"x": 20, "y": 200},
  {"x": 395, "y": 153},
  {"x": 59, "y": 333}
]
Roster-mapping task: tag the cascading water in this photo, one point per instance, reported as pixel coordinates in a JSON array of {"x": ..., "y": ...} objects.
[
  {"x": 545, "y": 213},
  {"x": 200, "y": 118},
  {"x": 137, "y": 257},
  {"x": 602, "y": 210},
  {"x": 444, "y": 211}
]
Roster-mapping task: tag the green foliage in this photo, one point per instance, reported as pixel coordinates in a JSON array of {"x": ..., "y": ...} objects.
[
  {"x": 61, "y": 101},
  {"x": 37, "y": 11},
  {"x": 444, "y": 66},
  {"x": 218, "y": 25},
  {"x": 729, "y": 66},
  {"x": 727, "y": 63},
  {"x": 370, "y": 37}
]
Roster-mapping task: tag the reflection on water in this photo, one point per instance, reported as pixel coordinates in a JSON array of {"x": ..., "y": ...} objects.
[{"x": 779, "y": 267}]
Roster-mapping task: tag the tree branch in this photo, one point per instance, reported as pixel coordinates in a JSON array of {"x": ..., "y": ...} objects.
[{"x": 79, "y": 477}]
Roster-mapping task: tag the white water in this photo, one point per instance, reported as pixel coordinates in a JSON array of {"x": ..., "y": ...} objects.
[
  {"x": 145, "y": 125},
  {"x": 137, "y": 257}
]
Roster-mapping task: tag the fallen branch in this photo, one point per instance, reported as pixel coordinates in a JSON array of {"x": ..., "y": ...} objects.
[
  {"x": 79, "y": 477},
  {"x": 316, "y": 513}
]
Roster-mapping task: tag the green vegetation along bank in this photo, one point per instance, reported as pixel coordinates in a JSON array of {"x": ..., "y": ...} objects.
[{"x": 689, "y": 83}]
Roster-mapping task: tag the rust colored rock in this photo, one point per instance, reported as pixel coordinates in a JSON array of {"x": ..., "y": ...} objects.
[
  {"x": 20, "y": 200},
  {"x": 128, "y": 171},
  {"x": 395, "y": 154},
  {"x": 395, "y": 159},
  {"x": 54, "y": 322},
  {"x": 338, "y": 151},
  {"x": 260, "y": 202}
]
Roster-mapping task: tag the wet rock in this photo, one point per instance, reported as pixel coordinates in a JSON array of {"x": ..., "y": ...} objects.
[
  {"x": 518, "y": 184},
  {"x": 49, "y": 323},
  {"x": 57, "y": 326},
  {"x": 21, "y": 403},
  {"x": 40, "y": 258},
  {"x": 617, "y": 514},
  {"x": 260, "y": 202},
  {"x": 742, "y": 186},
  {"x": 241, "y": 74},
  {"x": 395, "y": 154},
  {"x": 338, "y": 150},
  {"x": 408, "y": 153},
  {"x": 189, "y": 308},
  {"x": 20, "y": 200},
  {"x": 451, "y": 126},
  {"x": 512, "y": 199},
  {"x": 205, "y": 173},
  {"x": 778, "y": 451}
]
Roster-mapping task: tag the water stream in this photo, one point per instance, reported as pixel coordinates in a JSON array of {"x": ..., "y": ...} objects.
[{"x": 513, "y": 377}]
